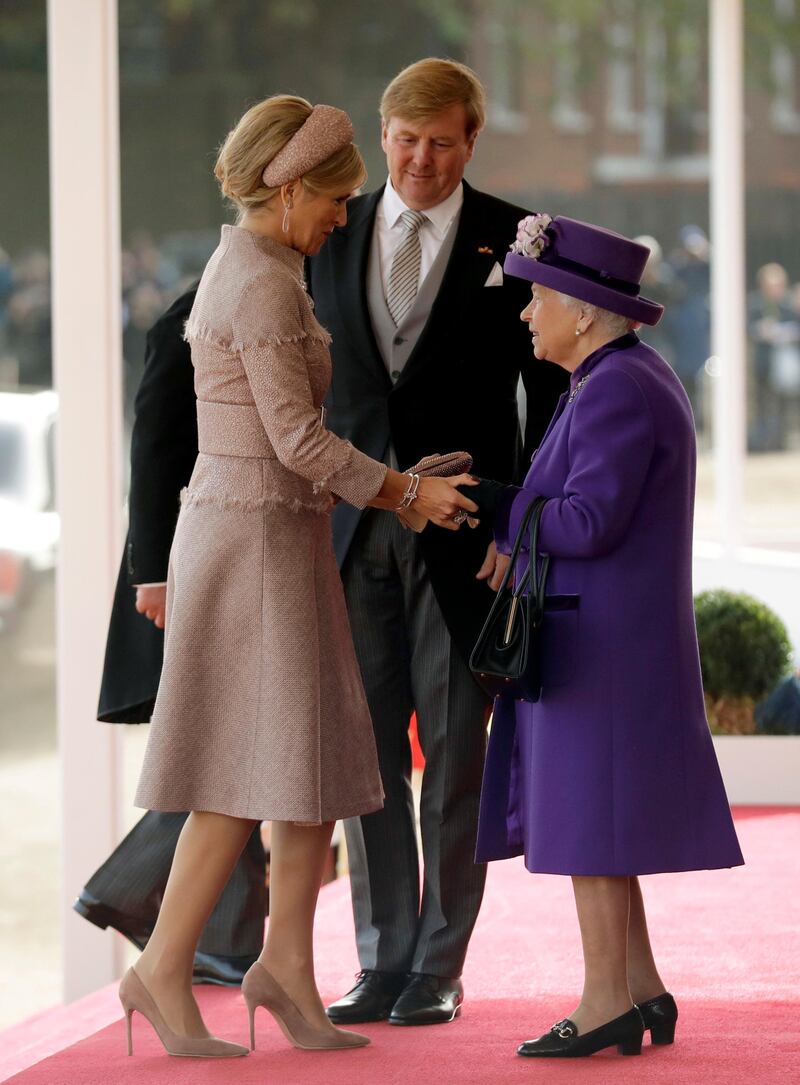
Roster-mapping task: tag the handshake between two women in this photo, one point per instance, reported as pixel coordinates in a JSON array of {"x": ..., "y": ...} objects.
[{"x": 428, "y": 492}]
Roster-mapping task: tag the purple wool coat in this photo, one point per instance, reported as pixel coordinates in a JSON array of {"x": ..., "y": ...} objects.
[{"x": 613, "y": 771}]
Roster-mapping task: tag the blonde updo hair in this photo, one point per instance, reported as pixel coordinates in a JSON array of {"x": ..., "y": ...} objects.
[{"x": 264, "y": 130}]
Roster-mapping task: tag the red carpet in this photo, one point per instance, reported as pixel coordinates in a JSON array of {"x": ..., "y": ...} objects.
[{"x": 728, "y": 943}]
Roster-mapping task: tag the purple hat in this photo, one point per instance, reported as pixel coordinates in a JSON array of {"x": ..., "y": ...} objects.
[{"x": 585, "y": 262}]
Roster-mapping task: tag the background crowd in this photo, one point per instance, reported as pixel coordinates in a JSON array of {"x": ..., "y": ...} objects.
[{"x": 677, "y": 276}]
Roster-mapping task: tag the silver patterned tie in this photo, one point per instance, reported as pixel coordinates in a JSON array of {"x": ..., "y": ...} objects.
[{"x": 404, "y": 274}]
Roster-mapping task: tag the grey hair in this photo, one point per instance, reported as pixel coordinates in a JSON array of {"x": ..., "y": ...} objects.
[{"x": 614, "y": 323}]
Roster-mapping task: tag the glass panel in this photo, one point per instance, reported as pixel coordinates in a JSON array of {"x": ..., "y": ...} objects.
[
  {"x": 30, "y": 969},
  {"x": 618, "y": 136},
  {"x": 772, "y": 146}
]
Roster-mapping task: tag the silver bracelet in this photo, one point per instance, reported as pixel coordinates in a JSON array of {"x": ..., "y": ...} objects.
[{"x": 410, "y": 494}]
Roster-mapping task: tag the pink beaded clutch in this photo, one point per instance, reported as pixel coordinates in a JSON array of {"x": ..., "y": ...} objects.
[{"x": 450, "y": 463}]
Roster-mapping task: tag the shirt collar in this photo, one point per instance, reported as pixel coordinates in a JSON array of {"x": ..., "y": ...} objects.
[{"x": 440, "y": 216}]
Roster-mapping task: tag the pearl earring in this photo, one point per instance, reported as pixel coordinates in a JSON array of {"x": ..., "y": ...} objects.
[{"x": 577, "y": 331}]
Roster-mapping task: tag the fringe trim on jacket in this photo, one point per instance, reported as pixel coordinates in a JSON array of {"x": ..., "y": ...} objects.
[
  {"x": 252, "y": 504},
  {"x": 194, "y": 330}
]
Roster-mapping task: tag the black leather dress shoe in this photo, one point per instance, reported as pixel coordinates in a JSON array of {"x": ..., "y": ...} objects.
[
  {"x": 563, "y": 1041},
  {"x": 659, "y": 1015},
  {"x": 370, "y": 1000},
  {"x": 428, "y": 1000},
  {"x": 208, "y": 968}
]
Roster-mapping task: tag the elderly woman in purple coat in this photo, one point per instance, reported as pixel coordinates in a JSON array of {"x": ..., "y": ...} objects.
[{"x": 612, "y": 773}]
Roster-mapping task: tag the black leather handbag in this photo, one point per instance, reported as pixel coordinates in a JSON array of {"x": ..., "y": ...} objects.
[{"x": 506, "y": 656}]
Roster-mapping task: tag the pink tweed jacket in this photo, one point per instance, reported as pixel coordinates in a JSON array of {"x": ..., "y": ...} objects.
[{"x": 262, "y": 371}]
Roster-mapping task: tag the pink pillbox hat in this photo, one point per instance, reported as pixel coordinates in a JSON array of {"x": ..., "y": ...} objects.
[{"x": 325, "y": 131}]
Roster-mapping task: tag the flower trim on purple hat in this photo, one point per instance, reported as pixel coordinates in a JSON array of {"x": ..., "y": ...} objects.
[
  {"x": 532, "y": 238},
  {"x": 325, "y": 131}
]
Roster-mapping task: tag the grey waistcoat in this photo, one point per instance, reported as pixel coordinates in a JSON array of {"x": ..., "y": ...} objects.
[{"x": 397, "y": 342}]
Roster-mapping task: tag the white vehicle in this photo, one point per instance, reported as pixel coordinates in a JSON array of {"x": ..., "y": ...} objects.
[{"x": 29, "y": 526}]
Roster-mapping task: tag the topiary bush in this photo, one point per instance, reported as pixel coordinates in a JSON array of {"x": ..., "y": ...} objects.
[{"x": 744, "y": 653}]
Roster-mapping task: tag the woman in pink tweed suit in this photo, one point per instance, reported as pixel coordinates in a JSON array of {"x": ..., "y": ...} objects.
[{"x": 260, "y": 713}]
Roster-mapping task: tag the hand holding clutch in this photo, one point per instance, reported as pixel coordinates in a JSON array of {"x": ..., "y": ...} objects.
[
  {"x": 436, "y": 465},
  {"x": 441, "y": 466}
]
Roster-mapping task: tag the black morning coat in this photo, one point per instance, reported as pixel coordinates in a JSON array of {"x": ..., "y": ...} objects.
[
  {"x": 163, "y": 451},
  {"x": 457, "y": 392}
]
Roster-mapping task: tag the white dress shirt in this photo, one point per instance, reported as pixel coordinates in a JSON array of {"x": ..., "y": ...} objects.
[{"x": 431, "y": 234}]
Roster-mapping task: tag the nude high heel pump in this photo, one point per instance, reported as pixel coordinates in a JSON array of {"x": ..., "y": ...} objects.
[
  {"x": 134, "y": 996},
  {"x": 260, "y": 989}
]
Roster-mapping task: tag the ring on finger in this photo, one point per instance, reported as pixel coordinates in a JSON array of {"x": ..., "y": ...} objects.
[{"x": 460, "y": 516}]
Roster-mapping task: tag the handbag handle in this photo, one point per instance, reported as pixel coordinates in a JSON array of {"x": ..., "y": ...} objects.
[{"x": 534, "y": 578}]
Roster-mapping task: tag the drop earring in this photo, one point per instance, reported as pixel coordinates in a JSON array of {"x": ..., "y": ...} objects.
[{"x": 285, "y": 223}]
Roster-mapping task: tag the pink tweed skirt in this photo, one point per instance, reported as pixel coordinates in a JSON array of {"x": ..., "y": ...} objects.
[{"x": 260, "y": 711}]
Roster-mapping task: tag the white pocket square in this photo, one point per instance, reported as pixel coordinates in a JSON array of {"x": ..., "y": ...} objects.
[{"x": 495, "y": 276}]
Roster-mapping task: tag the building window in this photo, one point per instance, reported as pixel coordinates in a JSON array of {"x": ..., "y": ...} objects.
[
  {"x": 621, "y": 112},
  {"x": 784, "y": 111},
  {"x": 655, "y": 89},
  {"x": 505, "y": 57},
  {"x": 567, "y": 112}
]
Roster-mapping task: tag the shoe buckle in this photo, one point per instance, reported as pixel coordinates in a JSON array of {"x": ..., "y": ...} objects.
[{"x": 564, "y": 1029}]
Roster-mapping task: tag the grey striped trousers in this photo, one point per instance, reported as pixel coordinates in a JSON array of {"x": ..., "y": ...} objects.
[
  {"x": 133, "y": 878},
  {"x": 409, "y": 662}
]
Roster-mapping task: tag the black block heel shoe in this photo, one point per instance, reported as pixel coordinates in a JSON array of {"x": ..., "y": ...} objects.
[
  {"x": 563, "y": 1041},
  {"x": 659, "y": 1015}
]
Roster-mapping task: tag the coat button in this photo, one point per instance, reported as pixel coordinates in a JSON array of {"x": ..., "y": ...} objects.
[
  {"x": 398, "y": 340},
  {"x": 395, "y": 374}
]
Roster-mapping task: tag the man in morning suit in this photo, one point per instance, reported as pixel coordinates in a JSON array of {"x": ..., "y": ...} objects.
[
  {"x": 427, "y": 353},
  {"x": 125, "y": 893}
]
